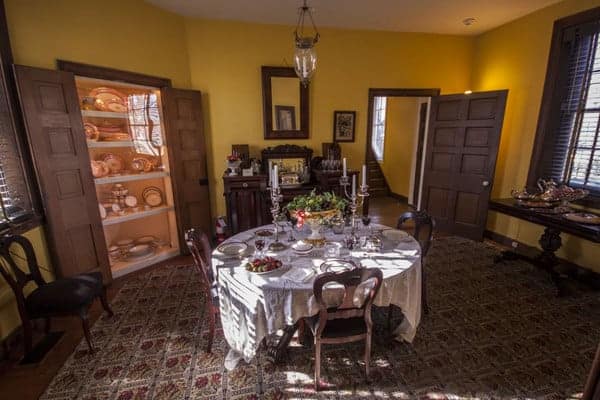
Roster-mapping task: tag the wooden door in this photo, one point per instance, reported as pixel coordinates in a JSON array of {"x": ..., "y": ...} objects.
[
  {"x": 460, "y": 159},
  {"x": 57, "y": 140},
  {"x": 187, "y": 153}
]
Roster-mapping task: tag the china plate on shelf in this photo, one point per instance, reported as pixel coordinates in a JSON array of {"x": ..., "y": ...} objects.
[
  {"x": 337, "y": 265},
  {"x": 232, "y": 248},
  {"x": 584, "y": 218},
  {"x": 152, "y": 196}
]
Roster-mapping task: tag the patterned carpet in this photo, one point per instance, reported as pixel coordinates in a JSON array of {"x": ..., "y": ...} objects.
[{"x": 494, "y": 331}]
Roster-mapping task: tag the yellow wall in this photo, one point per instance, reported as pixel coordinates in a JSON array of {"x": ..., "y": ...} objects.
[
  {"x": 130, "y": 35},
  {"x": 401, "y": 123},
  {"x": 225, "y": 60},
  {"x": 514, "y": 56}
]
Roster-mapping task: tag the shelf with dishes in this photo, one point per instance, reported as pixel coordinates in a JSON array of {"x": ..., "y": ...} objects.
[
  {"x": 116, "y": 143},
  {"x": 126, "y": 266},
  {"x": 104, "y": 114},
  {"x": 134, "y": 213},
  {"x": 131, "y": 177}
]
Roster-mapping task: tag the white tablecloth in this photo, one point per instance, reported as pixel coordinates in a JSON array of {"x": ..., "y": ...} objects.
[{"x": 254, "y": 306}]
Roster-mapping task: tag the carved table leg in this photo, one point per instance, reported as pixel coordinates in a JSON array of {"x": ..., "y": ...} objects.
[
  {"x": 275, "y": 353},
  {"x": 550, "y": 242}
]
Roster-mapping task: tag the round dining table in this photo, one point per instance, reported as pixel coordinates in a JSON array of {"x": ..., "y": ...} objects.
[{"x": 254, "y": 306}]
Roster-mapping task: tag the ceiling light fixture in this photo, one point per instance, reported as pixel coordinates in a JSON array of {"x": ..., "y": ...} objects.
[
  {"x": 305, "y": 56},
  {"x": 469, "y": 21}
]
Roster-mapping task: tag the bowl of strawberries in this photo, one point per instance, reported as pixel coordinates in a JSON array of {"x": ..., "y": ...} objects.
[{"x": 263, "y": 265}]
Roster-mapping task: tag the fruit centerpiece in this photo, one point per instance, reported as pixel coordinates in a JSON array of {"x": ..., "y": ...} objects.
[{"x": 316, "y": 210}]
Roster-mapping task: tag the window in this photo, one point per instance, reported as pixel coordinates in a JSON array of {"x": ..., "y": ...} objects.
[
  {"x": 567, "y": 147},
  {"x": 15, "y": 199},
  {"x": 378, "y": 136}
]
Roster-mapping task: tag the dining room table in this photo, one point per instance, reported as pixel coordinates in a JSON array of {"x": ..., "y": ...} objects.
[{"x": 255, "y": 306}]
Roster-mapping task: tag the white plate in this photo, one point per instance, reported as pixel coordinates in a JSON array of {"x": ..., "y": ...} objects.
[
  {"x": 337, "y": 266},
  {"x": 131, "y": 201},
  {"x": 302, "y": 246},
  {"x": 140, "y": 250},
  {"x": 102, "y": 211},
  {"x": 395, "y": 235},
  {"x": 232, "y": 248}
]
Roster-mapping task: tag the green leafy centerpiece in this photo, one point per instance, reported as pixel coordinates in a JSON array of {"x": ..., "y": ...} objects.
[{"x": 316, "y": 210}]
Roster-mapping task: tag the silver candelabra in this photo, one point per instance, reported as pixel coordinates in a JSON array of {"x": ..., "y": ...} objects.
[
  {"x": 356, "y": 201},
  {"x": 276, "y": 198}
]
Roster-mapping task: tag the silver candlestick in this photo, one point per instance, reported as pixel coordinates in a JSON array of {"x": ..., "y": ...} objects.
[
  {"x": 276, "y": 198},
  {"x": 356, "y": 201}
]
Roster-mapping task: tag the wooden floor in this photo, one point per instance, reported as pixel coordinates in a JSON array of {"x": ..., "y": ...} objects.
[{"x": 29, "y": 382}]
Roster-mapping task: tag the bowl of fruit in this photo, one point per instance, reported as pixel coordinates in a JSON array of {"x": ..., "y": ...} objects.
[{"x": 263, "y": 265}]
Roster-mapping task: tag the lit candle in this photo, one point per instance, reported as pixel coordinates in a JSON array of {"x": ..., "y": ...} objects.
[
  {"x": 364, "y": 175},
  {"x": 345, "y": 167},
  {"x": 275, "y": 177},
  {"x": 353, "y": 185}
]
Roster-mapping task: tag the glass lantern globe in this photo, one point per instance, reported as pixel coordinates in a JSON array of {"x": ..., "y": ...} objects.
[{"x": 305, "y": 63}]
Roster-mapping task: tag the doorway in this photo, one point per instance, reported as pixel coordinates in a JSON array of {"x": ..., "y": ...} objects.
[{"x": 397, "y": 120}]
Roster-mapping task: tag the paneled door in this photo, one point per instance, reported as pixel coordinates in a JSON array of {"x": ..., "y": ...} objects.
[
  {"x": 460, "y": 159},
  {"x": 185, "y": 135},
  {"x": 57, "y": 140}
]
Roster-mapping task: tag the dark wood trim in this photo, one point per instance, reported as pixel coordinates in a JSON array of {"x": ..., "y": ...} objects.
[
  {"x": 399, "y": 197},
  {"x": 374, "y": 92},
  {"x": 303, "y": 133},
  {"x": 573, "y": 270},
  {"x": 94, "y": 71},
  {"x": 420, "y": 147},
  {"x": 550, "y": 96}
]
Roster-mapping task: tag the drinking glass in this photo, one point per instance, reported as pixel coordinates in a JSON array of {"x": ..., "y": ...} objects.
[
  {"x": 366, "y": 220},
  {"x": 259, "y": 244}
]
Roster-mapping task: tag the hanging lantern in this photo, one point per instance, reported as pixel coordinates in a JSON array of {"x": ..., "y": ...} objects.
[{"x": 305, "y": 56}]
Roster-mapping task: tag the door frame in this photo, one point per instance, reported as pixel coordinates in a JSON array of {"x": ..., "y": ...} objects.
[{"x": 397, "y": 92}]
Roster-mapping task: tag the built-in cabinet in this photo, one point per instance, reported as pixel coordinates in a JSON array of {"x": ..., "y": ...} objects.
[{"x": 119, "y": 164}]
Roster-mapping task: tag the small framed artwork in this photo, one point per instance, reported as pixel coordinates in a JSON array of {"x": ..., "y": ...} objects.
[
  {"x": 343, "y": 126},
  {"x": 285, "y": 118}
]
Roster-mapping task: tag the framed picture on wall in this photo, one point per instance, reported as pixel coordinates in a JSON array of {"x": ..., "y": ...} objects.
[
  {"x": 343, "y": 126},
  {"x": 285, "y": 118}
]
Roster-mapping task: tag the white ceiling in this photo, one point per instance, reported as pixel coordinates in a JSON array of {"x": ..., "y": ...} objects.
[{"x": 435, "y": 16}]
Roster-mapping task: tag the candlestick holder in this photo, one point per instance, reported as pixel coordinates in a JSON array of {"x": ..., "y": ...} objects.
[
  {"x": 356, "y": 201},
  {"x": 276, "y": 198}
]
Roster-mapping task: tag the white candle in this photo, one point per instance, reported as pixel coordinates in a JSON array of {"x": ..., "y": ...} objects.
[
  {"x": 345, "y": 167},
  {"x": 364, "y": 175},
  {"x": 353, "y": 185},
  {"x": 275, "y": 177}
]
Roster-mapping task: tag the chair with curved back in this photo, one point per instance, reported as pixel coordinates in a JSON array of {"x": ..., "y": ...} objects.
[
  {"x": 346, "y": 322},
  {"x": 199, "y": 245},
  {"x": 62, "y": 297},
  {"x": 422, "y": 231}
]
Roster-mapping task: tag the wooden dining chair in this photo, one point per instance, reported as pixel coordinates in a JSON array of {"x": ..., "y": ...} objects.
[
  {"x": 62, "y": 297},
  {"x": 422, "y": 229},
  {"x": 591, "y": 390},
  {"x": 199, "y": 245},
  {"x": 346, "y": 322}
]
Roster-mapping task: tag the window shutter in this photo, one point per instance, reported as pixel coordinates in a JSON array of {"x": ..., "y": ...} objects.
[
  {"x": 574, "y": 123},
  {"x": 15, "y": 201}
]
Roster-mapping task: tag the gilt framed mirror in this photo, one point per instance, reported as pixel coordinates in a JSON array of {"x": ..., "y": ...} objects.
[{"x": 285, "y": 104}]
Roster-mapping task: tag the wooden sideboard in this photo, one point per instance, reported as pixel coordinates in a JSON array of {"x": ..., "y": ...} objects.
[{"x": 249, "y": 204}]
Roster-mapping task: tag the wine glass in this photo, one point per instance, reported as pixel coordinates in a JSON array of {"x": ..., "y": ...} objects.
[
  {"x": 366, "y": 220},
  {"x": 259, "y": 244},
  {"x": 293, "y": 221}
]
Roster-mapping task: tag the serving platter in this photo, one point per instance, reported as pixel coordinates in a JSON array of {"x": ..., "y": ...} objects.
[
  {"x": 337, "y": 265},
  {"x": 583, "y": 218},
  {"x": 232, "y": 248}
]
